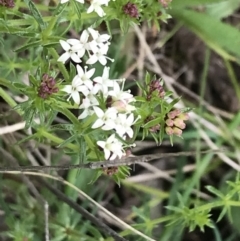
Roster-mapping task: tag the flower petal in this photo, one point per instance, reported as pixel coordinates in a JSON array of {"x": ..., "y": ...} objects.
[
  {"x": 75, "y": 58},
  {"x": 99, "y": 112},
  {"x": 65, "y": 45},
  {"x": 64, "y": 57},
  {"x": 84, "y": 37},
  {"x": 76, "y": 97},
  {"x": 92, "y": 60},
  {"x": 67, "y": 88},
  {"x": 102, "y": 60},
  {"x": 98, "y": 123}
]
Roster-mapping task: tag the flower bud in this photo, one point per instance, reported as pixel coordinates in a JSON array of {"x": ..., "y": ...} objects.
[
  {"x": 177, "y": 131},
  {"x": 172, "y": 114},
  {"x": 131, "y": 10},
  {"x": 169, "y": 122},
  {"x": 169, "y": 130},
  {"x": 156, "y": 85},
  {"x": 165, "y": 3},
  {"x": 184, "y": 116},
  {"x": 179, "y": 123},
  {"x": 155, "y": 128}
]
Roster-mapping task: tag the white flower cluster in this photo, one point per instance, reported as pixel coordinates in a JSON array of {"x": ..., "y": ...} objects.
[
  {"x": 96, "y": 6},
  {"x": 89, "y": 92}
]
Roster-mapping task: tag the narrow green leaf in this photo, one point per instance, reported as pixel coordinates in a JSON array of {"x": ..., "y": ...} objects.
[
  {"x": 36, "y": 14},
  {"x": 78, "y": 9},
  {"x": 185, "y": 3},
  {"x": 63, "y": 127},
  {"x": 152, "y": 122},
  {"x": 69, "y": 140},
  {"x": 221, "y": 215},
  {"x": 224, "y": 40},
  {"x": 28, "y": 46},
  {"x": 28, "y": 138},
  {"x": 223, "y": 9},
  {"x": 215, "y": 191}
]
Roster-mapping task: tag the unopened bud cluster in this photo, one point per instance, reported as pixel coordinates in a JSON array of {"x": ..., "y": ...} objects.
[
  {"x": 47, "y": 86},
  {"x": 175, "y": 122},
  {"x": 131, "y": 10},
  {"x": 156, "y": 87},
  {"x": 7, "y": 3}
]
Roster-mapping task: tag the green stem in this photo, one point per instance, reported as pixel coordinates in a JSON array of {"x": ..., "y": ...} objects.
[
  {"x": 57, "y": 140},
  {"x": 8, "y": 99},
  {"x": 8, "y": 84},
  {"x": 232, "y": 77}
]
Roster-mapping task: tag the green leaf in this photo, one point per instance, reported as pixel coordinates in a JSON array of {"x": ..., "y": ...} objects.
[
  {"x": 20, "y": 86},
  {"x": 77, "y": 9},
  {"x": 63, "y": 127},
  {"x": 28, "y": 138},
  {"x": 33, "y": 80},
  {"x": 69, "y": 140},
  {"x": 215, "y": 191},
  {"x": 23, "y": 32},
  {"x": 153, "y": 122},
  {"x": 185, "y": 3},
  {"x": 224, "y": 40},
  {"x": 223, "y": 9},
  {"x": 36, "y": 14},
  {"x": 221, "y": 215},
  {"x": 28, "y": 46}
]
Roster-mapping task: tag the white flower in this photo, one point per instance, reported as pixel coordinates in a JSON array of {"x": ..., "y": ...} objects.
[
  {"x": 71, "y": 51},
  {"x": 123, "y": 106},
  {"x": 99, "y": 55},
  {"x": 84, "y": 42},
  {"x": 96, "y": 6},
  {"x": 124, "y": 123},
  {"x": 105, "y": 119},
  {"x": 118, "y": 94},
  {"x": 85, "y": 76},
  {"x": 104, "y": 81},
  {"x": 112, "y": 148},
  {"x": 64, "y": 1},
  {"x": 74, "y": 90},
  {"x": 86, "y": 105},
  {"x": 98, "y": 39}
]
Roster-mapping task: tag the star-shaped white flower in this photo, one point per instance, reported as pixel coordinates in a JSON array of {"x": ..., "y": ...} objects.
[
  {"x": 118, "y": 94},
  {"x": 74, "y": 89},
  {"x": 104, "y": 81},
  {"x": 105, "y": 119},
  {"x": 99, "y": 54},
  {"x": 84, "y": 42},
  {"x": 123, "y": 124},
  {"x": 96, "y": 7},
  {"x": 112, "y": 148},
  {"x": 85, "y": 76},
  {"x": 71, "y": 50},
  {"x": 98, "y": 39}
]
